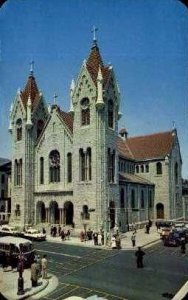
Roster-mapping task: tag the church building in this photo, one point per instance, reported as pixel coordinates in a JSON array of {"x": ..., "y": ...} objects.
[{"x": 78, "y": 169}]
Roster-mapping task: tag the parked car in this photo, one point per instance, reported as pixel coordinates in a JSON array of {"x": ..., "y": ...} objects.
[
  {"x": 33, "y": 234},
  {"x": 173, "y": 239},
  {"x": 164, "y": 232},
  {"x": 8, "y": 230}
]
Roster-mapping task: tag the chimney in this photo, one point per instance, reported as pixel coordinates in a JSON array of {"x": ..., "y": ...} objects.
[{"x": 123, "y": 133}]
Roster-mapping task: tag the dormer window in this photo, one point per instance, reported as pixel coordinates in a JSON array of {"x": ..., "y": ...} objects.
[
  {"x": 110, "y": 114},
  {"x": 85, "y": 112},
  {"x": 19, "y": 130}
]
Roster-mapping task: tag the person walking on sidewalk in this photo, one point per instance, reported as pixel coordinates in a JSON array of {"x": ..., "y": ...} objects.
[
  {"x": 44, "y": 264},
  {"x": 34, "y": 275},
  {"x": 133, "y": 239},
  {"x": 139, "y": 257}
]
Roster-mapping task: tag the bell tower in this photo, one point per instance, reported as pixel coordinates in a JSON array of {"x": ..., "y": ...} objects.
[
  {"x": 27, "y": 118},
  {"x": 95, "y": 104}
]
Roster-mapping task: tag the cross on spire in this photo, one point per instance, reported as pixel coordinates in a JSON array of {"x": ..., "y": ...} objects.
[
  {"x": 55, "y": 97},
  {"x": 31, "y": 67},
  {"x": 94, "y": 30}
]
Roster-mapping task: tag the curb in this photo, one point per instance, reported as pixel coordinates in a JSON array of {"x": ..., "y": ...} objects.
[
  {"x": 35, "y": 292},
  {"x": 182, "y": 292}
]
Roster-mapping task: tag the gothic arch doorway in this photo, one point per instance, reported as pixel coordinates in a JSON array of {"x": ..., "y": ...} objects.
[
  {"x": 112, "y": 214},
  {"x": 160, "y": 211},
  {"x": 68, "y": 213},
  {"x": 41, "y": 212},
  {"x": 54, "y": 212}
]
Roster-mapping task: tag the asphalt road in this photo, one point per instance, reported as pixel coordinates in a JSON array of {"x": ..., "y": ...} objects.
[{"x": 112, "y": 274}]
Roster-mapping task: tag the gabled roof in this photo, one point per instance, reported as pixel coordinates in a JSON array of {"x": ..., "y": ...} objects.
[
  {"x": 67, "y": 119},
  {"x": 132, "y": 178},
  {"x": 123, "y": 149},
  {"x": 152, "y": 146},
  {"x": 32, "y": 90},
  {"x": 93, "y": 62}
]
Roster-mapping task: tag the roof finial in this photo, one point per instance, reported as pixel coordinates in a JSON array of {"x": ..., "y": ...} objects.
[
  {"x": 173, "y": 125},
  {"x": 55, "y": 97},
  {"x": 31, "y": 67},
  {"x": 94, "y": 30}
]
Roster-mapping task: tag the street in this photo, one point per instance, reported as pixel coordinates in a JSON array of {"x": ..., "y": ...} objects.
[{"x": 112, "y": 274}]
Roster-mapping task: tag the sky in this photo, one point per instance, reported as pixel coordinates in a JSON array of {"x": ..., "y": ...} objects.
[{"x": 146, "y": 42}]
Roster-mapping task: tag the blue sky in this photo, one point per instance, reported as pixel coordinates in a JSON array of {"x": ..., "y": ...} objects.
[{"x": 144, "y": 40}]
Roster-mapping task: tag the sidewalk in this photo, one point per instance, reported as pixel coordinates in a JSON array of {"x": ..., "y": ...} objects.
[
  {"x": 9, "y": 285},
  {"x": 9, "y": 279},
  {"x": 142, "y": 240}
]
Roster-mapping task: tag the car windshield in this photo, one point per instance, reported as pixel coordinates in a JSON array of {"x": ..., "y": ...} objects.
[{"x": 27, "y": 247}]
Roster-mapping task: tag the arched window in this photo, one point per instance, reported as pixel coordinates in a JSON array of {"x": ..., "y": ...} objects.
[
  {"x": 159, "y": 168},
  {"x": 122, "y": 199},
  {"x": 110, "y": 114},
  {"x": 41, "y": 170},
  {"x": 147, "y": 168},
  {"x": 40, "y": 125},
  {"x": 142, "y": 168},
  {"x": 111, "y": 165},
  {"x": 85, "y": 111},
  {"x": 85, "y": 213},
  {"x": 132, "y": 198},
  {"x": 54, "y": 166},
  {"x": 18, "y": 172},
  {"x": 19, "y": 129},
  {"x": 176, "y": 173},
  {"x": 69, "y": 167},
  {"x": 142, "y": 204},
  {"x": 137, "y": 169},
  {"x": 89, "y": 169}
]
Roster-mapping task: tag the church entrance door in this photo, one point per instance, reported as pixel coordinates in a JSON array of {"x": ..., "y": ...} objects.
[
  {"x": 160, "y": 211},
  {"x": 54, "y": 212},
  {"x": 68, "y": 213},
  {"x": 41, "y": 212}
]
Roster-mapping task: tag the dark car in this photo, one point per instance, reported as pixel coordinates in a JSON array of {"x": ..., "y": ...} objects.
[{"x": 173, "y": 239}]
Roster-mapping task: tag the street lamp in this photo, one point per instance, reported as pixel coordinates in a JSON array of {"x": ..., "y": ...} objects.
[{"x": 20, "y": 270}]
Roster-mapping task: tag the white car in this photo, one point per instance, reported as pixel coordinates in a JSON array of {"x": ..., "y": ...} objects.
[
  {"x": 34, "y": 235},
  {"x": 8, "y": 230}
]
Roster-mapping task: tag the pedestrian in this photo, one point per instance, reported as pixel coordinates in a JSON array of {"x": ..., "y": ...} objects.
[
  {"x": 99, "y": 239},
  {"x": 39, "y": 267},
  {"x": 150, "y": 223},
  {"x": 118, "y": 242},
  {"x": 44, "y": 265},
  {"x": 134, "y": 227},
  {"x": 43, "y": 230},
  {"x": 95, "y": 238},
  {"x": 82, "y": 236},
  {"x": 62, "y": 235},
  {"x": 147, "y": 228},
  {"x": 133, "y": 239},
  {"x": 59, "y": 230},
  {"x": 139, "y": 257},
  {"x": 183, "y": 245},
  {"x": 113, "y": 242},
  {"x": 34, "y": 275}
]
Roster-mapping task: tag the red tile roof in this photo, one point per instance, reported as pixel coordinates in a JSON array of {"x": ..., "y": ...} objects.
[
  {"x": 93, "y": 62},
  {"x": 32, "y": 90},
  {"x": 67, "y": 119},
  {"x": 156, "y": 145},
  {"x": 123, "y": 149}
]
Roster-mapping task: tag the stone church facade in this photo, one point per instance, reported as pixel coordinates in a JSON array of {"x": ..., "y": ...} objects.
[{"x": 74, "y": 168}]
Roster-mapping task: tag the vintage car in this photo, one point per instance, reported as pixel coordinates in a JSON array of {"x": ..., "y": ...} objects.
[
  {"x": 164, "y": 232},
  {"x": 8, "y": 230},
  {"x": 173, "y": 239},
  {"x": 33, "y": 234}
]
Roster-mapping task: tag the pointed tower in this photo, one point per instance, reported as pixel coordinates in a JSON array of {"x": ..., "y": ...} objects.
[
  {"x": 96, "y": 104},
  {"x": 27, "y": 117}
]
